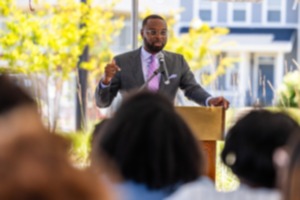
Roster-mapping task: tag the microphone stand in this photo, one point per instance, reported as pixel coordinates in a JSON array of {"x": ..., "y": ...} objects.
[{"x": 157, "y": 71}]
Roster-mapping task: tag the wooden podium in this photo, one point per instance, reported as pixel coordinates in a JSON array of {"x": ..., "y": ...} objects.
[{"x": 207, "y": 123}]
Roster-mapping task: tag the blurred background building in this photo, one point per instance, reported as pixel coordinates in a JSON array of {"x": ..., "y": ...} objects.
[{"x": 265, "y": 37}]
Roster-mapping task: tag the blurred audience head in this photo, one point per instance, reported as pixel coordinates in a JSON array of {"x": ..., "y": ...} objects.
[
  {"x": 36, "y": 166},
  {"x": 18, "y": 110},
  {"x": 99, "y": 163},
  {"x": 150, "y": 143},
  {"x": 12, "y": 96},
  {"x": 250, "y": 145},
  {"x": 98, "y": 130}
]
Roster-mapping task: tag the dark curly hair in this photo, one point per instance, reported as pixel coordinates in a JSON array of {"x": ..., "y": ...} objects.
[
  {"x": 251, "y": 142},
  {"x": 150, "y": 143}
]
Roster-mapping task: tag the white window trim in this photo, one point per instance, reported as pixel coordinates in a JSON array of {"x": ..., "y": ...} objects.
[
  {"x": 264, "y": 12},
  {"x": 196, "y": 10},
  {"x": 230, "y": 13},
  {"x": 214, "y": 12},
  {"x": 249, "y": 14},
  {"x": 283, "y": 12}
]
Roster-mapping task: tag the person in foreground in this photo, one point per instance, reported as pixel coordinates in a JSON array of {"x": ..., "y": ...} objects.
[
  {"x": 288, "y": 158},
  {"x": 248, "y": 152},
  {"x": 130, "y": 71},
  {"x": 36, "y": 166},
  {"x": 18, "y": 110},
  {"x": 152, "y": 148}
]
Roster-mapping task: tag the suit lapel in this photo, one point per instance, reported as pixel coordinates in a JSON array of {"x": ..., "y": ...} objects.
[{"x": 136, "y": 67}]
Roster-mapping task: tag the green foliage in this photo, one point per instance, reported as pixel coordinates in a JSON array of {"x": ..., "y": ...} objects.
[
  {"x": 80, "y": 147},
  {"x": 289, "y": 91},
  {"x": 197, "y": 47},
  {"x": 225, "y": 179}
]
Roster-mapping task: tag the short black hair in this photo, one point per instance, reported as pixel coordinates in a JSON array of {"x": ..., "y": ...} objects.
[
  {"x": 154, "y": 16},
  {"x": 151, "y": 144},
  {"x": 12, "y": 95},
  {"x": 98, "y": 130},
  {"x": 251, "y": 142}
]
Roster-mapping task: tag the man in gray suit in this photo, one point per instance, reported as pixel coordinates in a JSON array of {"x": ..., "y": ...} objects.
[{"x": 128, "y": 71}]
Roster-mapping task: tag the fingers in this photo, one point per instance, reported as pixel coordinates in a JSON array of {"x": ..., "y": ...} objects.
[
  {"x": 113, "y": 62},
  {"x": 226, "y": 104},
  {"x": 220, "y": 101},
  {"x": 110, "y": 70}
]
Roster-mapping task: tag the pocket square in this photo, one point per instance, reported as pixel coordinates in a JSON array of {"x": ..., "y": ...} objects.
[{"x": 173, "y": 76}]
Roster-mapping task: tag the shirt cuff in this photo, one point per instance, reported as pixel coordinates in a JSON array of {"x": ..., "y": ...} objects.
[
  {"x": 102, "y": 85},
  {"x": 207, "y": 100}
]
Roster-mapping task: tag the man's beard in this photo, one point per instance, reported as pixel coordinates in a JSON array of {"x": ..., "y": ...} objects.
[{"x": 152, "y": 48}]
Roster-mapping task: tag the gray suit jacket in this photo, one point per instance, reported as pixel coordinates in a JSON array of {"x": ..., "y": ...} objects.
[{"x": 131, "y": 78}]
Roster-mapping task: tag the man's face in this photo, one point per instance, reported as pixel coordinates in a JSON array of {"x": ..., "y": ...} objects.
[{"x": 154, "y": 35}]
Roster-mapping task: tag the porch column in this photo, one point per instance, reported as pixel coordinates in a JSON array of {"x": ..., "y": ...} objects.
[
  {"x": 244, "y": 72},
  {"x": 279, "y": 69}
]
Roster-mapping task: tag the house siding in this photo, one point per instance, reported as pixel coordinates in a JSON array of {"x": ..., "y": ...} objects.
[
  {"x": 291, "y": 15},
  {"x": 187, "y": 14},
  {"x": 222, "y": 12},
  {"x": 256, "y": 13}
]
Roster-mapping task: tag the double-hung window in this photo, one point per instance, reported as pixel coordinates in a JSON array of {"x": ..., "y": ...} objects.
[
  {"x": 239, "y": 12},
  {"x": 205, "y": 10},
  {"x": 274, "y": 11}
]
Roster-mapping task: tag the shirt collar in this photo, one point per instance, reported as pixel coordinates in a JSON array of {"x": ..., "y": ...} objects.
[{"x": 145, "y": 55}]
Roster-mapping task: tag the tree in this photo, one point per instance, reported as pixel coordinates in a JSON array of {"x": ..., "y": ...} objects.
[
  {"x": 289, "y": 90},
  {"x": 48, "y": 42}
]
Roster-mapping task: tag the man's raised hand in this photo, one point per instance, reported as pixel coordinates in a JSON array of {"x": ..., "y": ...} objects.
[{"x": 110, "y": 70}]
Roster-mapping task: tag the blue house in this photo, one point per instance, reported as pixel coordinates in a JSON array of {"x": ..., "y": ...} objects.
[{"x": 266, "y": 42}]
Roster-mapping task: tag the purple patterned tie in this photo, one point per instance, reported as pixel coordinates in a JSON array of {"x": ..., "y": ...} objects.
[{"x": 154, "y": 83}]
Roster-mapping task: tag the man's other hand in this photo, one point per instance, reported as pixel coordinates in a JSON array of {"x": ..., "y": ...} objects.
[{"x": 219, "y": 101}]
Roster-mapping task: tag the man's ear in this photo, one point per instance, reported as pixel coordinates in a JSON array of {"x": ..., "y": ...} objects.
[{"x": 141, "y": 32}]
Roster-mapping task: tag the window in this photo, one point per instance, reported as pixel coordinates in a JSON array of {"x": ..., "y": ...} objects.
[
  {"x": 239, "y": 15},
  {"x": 205, "y": 10},
  {"x": 205, "y": 15},
  {"x": 273, "y": 10},
  {"x": 239, "y": 12}
]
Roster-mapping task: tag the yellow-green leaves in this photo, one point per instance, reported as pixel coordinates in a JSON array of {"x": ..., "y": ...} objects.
[
  {"x": 197, "y": 47},
  {"x": 50, "y": 39},
  {"x": 289, "y": 91}
]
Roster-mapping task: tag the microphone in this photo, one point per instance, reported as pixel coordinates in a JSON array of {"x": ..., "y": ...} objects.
[
  {"x": 163, "y": 67},
  {"x": 157, "y": 71}
]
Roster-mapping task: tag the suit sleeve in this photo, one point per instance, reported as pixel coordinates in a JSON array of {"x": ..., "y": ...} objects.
[
  {"x": 191, "y": 88},
  {"x": 105, "y": 96}
]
